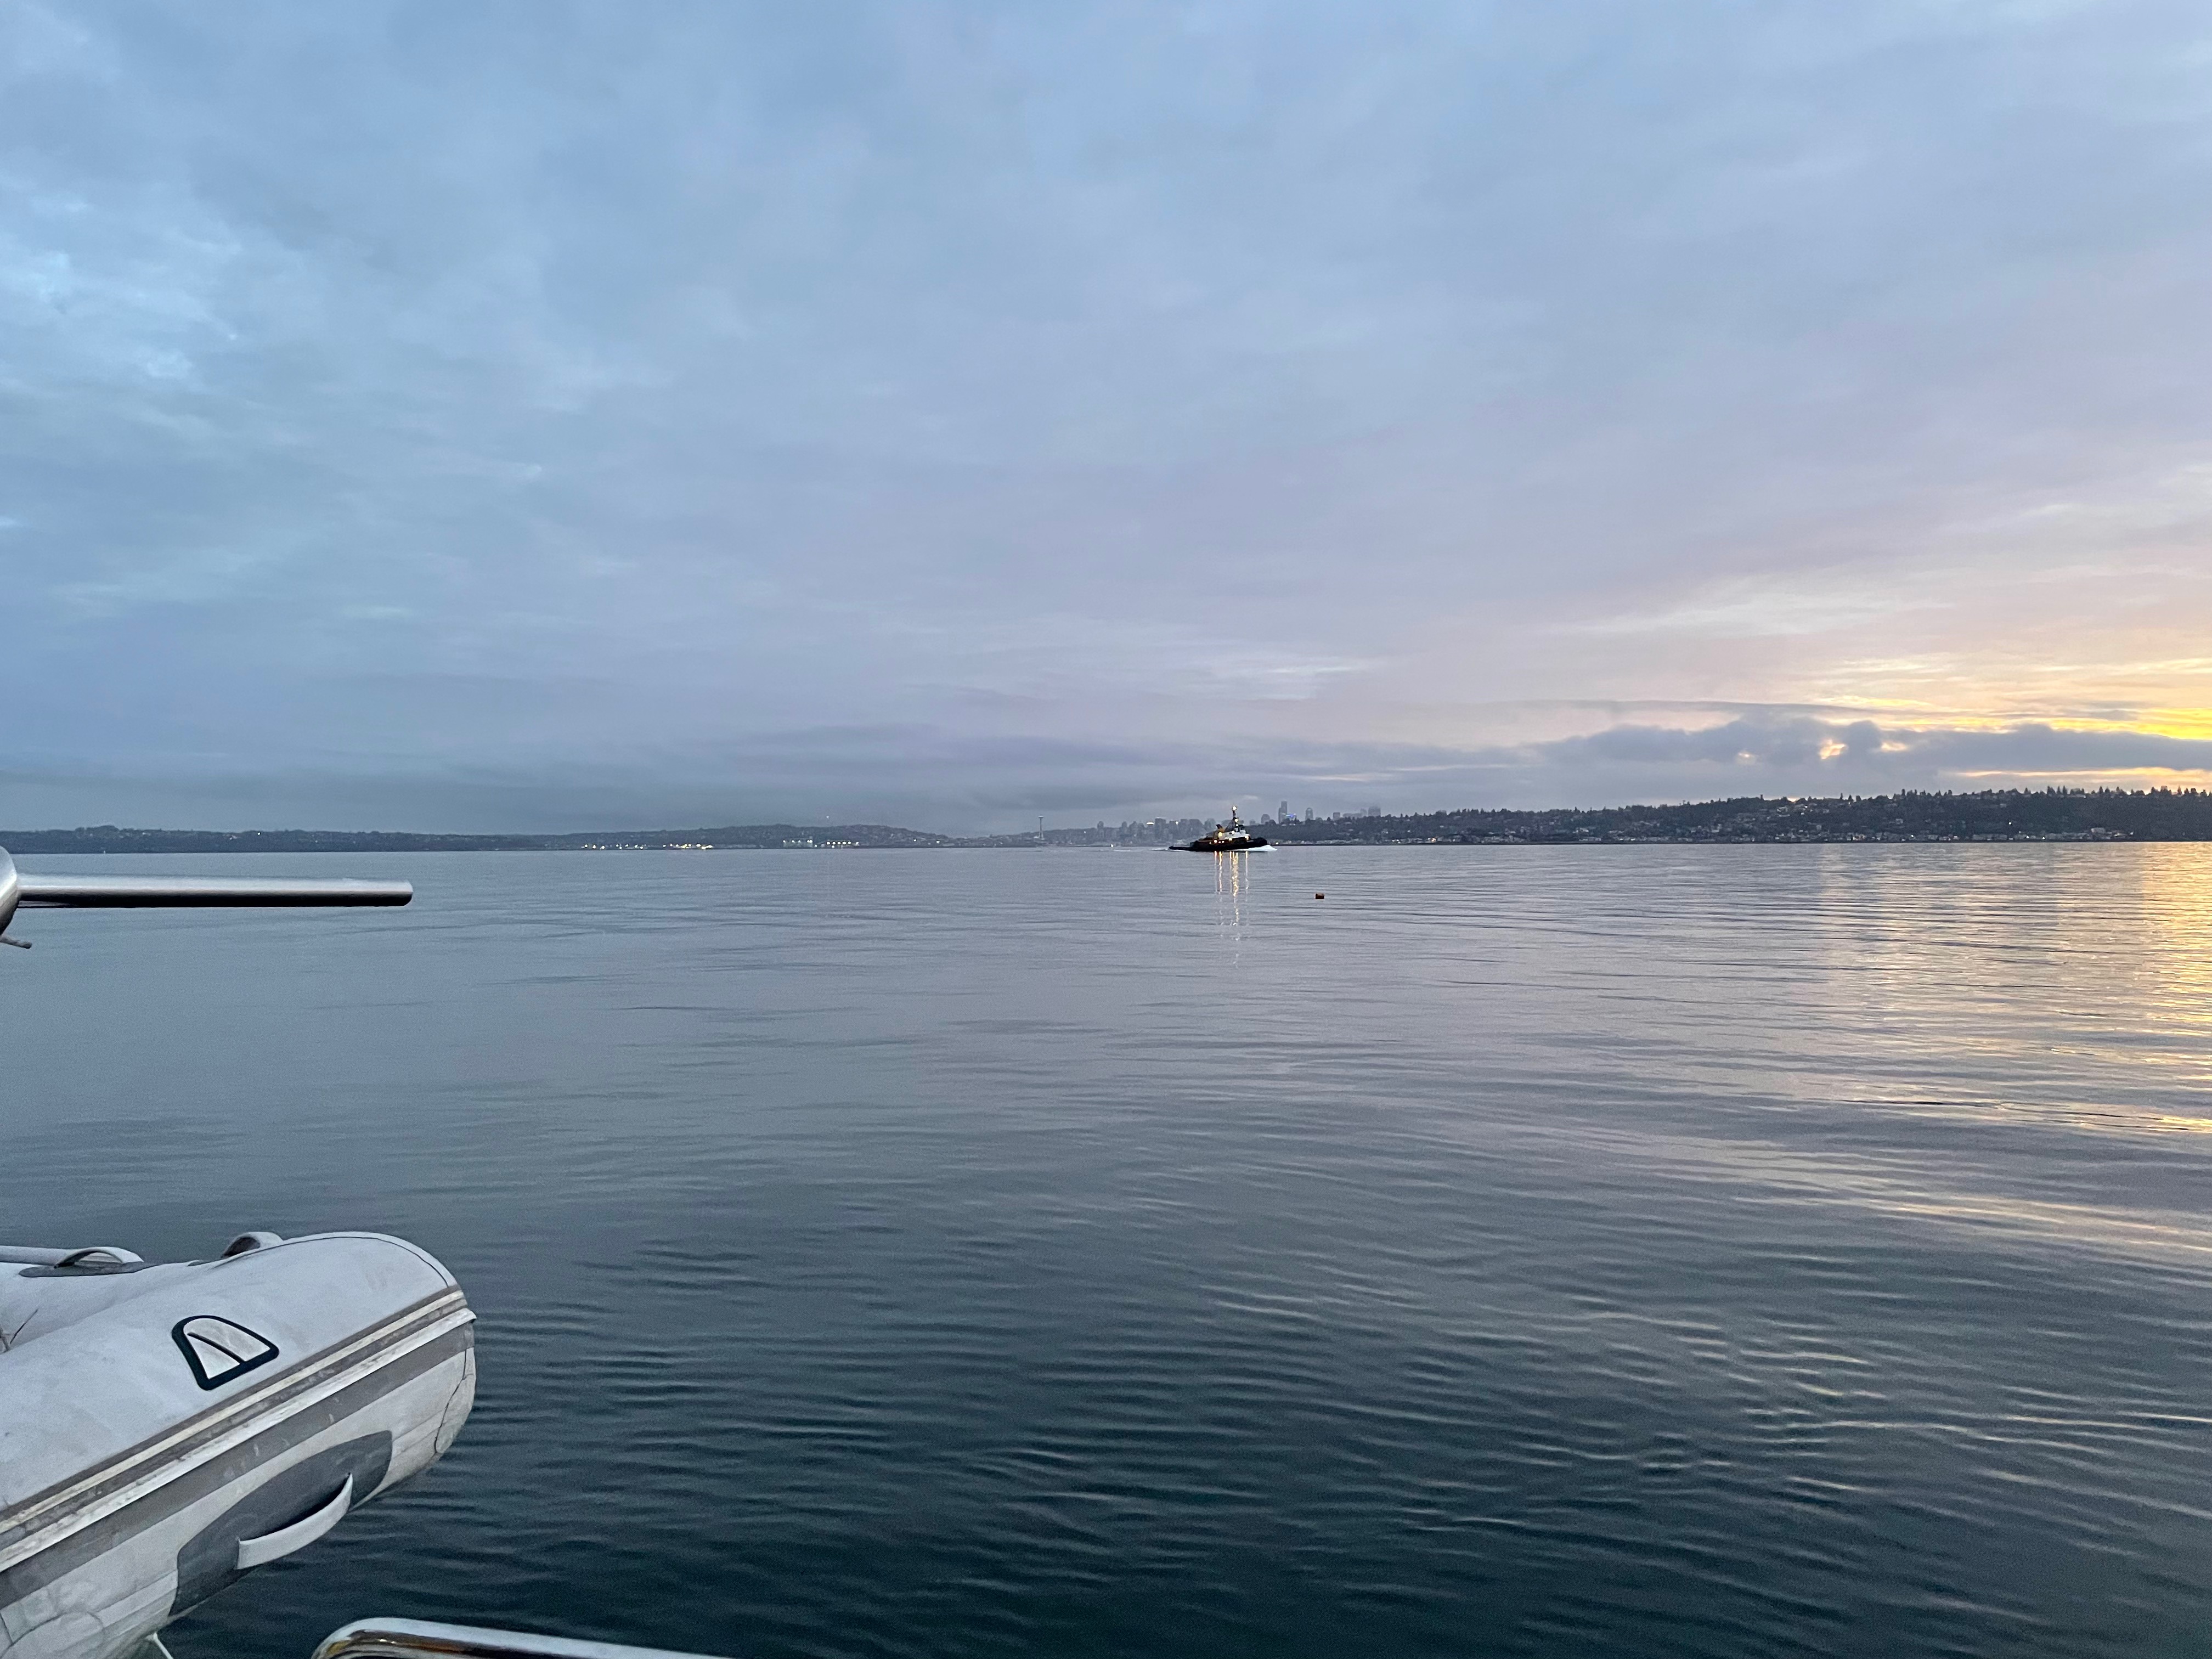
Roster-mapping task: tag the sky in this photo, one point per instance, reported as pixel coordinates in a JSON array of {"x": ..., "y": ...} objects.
[{"x": 470, "y": 415}]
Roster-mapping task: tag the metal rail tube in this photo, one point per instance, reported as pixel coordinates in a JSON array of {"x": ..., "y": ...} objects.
[{"x": 136, "y": 892}]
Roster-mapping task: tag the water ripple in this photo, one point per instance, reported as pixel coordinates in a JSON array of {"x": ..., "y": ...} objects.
[{"x": 1565, "y": 1250}]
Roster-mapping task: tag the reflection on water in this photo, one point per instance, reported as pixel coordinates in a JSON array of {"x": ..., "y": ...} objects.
[
  {"x": 1652, "y": 1250},
  {"x": 1231, "y": 879},
  {"x": 2177, "y": 901}
]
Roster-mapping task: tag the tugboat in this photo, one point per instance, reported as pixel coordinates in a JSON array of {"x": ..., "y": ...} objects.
[{"x": 1230, "y": 837}]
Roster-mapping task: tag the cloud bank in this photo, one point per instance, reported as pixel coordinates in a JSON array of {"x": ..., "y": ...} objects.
[{"x": 931, "y": 778}]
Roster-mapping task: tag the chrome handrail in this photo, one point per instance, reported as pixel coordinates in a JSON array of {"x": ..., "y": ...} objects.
[{"x": 169, "y": 892}]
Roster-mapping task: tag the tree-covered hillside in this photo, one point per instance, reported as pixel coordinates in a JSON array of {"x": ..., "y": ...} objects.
[{"x": 1987, "y": 815}]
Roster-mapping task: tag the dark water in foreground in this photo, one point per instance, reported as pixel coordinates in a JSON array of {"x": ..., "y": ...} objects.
[{"x": 1636, "y": 1251}]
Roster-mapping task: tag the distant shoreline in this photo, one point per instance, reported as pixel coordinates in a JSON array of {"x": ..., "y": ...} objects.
[{"x": 1914, "y": 817}]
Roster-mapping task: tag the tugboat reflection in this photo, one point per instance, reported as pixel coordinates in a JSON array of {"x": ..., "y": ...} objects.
[{"x": 1233, "y": 880}]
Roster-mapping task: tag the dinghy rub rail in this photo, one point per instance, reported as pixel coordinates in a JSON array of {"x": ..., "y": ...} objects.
[{"x": 415, "y": 1639}]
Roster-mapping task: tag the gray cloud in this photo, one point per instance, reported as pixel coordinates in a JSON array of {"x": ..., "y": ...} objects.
[
  {"x": 932, "y": 778},
  {"x": 522, "y": 411}
]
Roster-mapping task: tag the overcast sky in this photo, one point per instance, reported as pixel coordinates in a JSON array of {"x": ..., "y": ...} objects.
[{"x": 468, "y": 415}]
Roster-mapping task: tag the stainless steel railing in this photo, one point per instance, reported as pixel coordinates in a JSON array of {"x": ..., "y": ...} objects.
[{"x": 147, "y": 893}]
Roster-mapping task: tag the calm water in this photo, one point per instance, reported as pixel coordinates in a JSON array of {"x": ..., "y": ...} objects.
[{"x": 1635, "y": 1251}]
